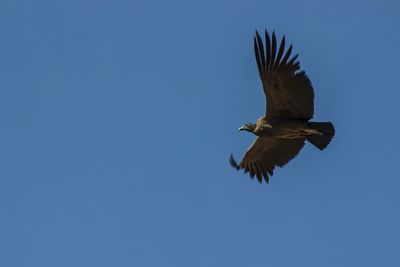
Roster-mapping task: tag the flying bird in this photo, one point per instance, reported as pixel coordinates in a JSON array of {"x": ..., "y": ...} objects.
[{"x": 282, "y": 131}]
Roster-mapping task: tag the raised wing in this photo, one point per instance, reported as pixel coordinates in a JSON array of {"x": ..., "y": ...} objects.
[
  {"x": 288, "y": 91},
  {"x": 265, "y": 154}
]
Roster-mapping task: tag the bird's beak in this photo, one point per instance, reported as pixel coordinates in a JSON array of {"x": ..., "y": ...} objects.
[{"x": 242, "y": 128}]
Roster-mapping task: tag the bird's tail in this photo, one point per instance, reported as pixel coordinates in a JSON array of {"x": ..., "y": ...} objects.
[{"x": 325, "y": 133}]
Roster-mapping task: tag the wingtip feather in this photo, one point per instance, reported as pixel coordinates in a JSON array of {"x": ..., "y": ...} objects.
[{"x": 233, "y": 162}]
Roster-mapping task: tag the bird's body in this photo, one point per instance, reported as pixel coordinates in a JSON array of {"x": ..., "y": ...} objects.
[
  {"x": 284, "y": 128},
  {"x": 282, "y": 131}
]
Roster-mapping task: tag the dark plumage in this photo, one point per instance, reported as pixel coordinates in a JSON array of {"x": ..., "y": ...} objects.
[{"x": 282, "y": 132}]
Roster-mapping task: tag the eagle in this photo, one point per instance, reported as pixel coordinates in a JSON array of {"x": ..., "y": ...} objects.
[{"x": 281, "y": 133}]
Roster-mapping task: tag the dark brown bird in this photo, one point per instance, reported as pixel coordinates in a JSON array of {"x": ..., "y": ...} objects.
[{"x": 282, "y": 132}]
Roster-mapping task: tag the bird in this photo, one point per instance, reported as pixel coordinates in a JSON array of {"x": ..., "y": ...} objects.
[{"x": 281, "y": 133}]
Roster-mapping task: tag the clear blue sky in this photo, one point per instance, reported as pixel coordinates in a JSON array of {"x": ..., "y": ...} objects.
[{"x": 117, "y": 119}]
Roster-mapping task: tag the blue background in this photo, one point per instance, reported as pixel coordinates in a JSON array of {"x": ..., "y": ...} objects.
[{"x": 117, "y": 119}]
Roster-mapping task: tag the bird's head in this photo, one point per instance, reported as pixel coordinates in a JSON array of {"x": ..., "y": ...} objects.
[{"x": 250, "y": 127}]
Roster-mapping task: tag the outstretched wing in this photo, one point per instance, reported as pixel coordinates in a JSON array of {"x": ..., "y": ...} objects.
[
  {"x": 265, "y": 154},
  {"x": 288, "y": 91}
]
